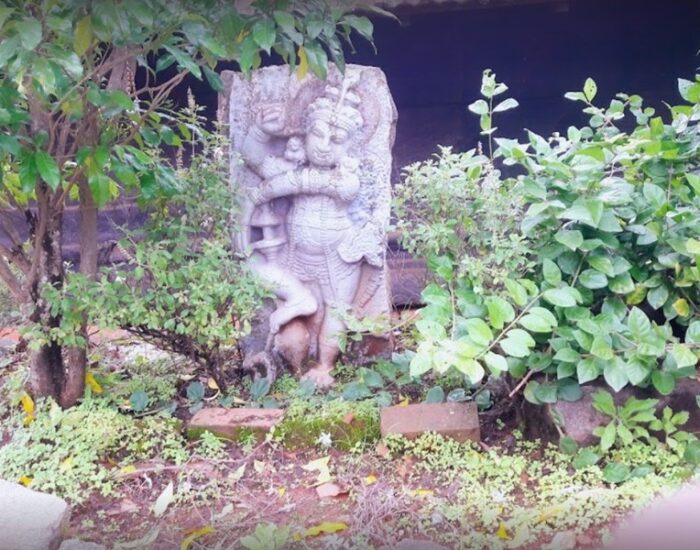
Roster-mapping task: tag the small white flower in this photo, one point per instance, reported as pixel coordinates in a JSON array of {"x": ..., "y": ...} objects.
[{"x": 324, "y": 440}]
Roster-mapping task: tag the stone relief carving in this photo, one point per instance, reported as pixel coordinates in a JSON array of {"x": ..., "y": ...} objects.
[{"x": 311, "y": 161}]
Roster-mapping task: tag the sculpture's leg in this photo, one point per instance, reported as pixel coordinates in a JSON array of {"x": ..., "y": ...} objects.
[
  {"x": 332, "y": 327},
  {"x": 315, "y": 321}
]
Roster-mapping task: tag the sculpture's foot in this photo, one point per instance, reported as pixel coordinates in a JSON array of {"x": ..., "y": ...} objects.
[
  {"x": 320, "y": 376},
  {"x": 282, "y": 315}
]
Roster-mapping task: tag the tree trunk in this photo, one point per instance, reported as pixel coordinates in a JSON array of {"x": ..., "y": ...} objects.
[{"x": 54, "y": 371}]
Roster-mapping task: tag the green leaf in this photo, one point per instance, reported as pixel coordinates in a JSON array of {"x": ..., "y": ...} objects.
[
  {"x": 82, "y": 38},
  {"x": 535, "y": 323},
  {"x": 593, "y": 279},
  {"x": 354, "y": 391},
  {"x": 371, "y": 378},
  {"x": 692, "y": 452},
  {"x": 615, "y": 375},
  {"x": 421, "y": 363},
  {"x": 664, "y": 382},
  {"x": 692, "y": 334},
  {"x": 214, "y": 79},
  {"x": 185, "y": 61},
  {"x": 435, "y": 395},
  {"x": 562, "y": 297},
  {"x": 567, "y": 355},
  {"x": 139, "y": 401},
  {"x": 551, "y": 272},
  {"x": 590, "y": 89},
  {"x": 361, "y": 24},
  {"x": 658, "y": 296},
  {"x": 601, "y": 348},
  {"x": 683, "y": 356},
  {"x": 602, "y": 264},
  {"x": 264, "y": 34},
  {"x": 478, "y": 331},
  {"x": 495, "y": 362},
  {"x": 505, "y": 105},
  {"x": 569, "y": 389},
  {"x": 29, "y": 31},
  {"x": 471, "y": 368},
  {"x": 639, "y": 325},
  {"x": 517, "y": 292},
  {"x": 500, "y": 312},
  {"x": 603, "y": 402},
  {"x": 616, "y": 472},
  {"x": 585, "y": 458},
  {"x": 607, "y": 438},
  {"x": 587, "y": 370},
  {"x": 195, "y": 391},
  {"x": 568, "y": 445},
  {"x": 546, "y": 393},
  {"x": 588, "y": 211},
  {"x": 479, "y": 107},
  {"x": 48, "y": 169}
]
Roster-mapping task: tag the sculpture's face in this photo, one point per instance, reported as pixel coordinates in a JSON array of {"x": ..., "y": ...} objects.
[{"x": 326, "y": 145}]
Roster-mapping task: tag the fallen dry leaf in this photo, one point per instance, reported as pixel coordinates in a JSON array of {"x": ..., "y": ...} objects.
[
  {"x": 193, "y": 534},
  {"x": 328, "y": 490},
  {"x": 382, "y": 450},
  {"x": 325, "y": 528},
  {"x": 321, "y": 466}
]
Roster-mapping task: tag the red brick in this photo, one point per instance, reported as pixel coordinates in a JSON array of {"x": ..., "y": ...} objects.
[
  {"x": 459, "y": 421},
  {"x": 230, "y": 422}
]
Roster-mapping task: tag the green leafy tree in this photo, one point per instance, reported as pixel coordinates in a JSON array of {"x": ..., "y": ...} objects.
[{"x": 84, "y": 91}]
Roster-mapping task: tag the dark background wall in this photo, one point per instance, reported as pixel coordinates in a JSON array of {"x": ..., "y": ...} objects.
[{"x": 434, "y": 58}]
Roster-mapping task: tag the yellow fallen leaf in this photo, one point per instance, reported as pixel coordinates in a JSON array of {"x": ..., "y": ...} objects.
[
  {"x": 66, "y": 464},
  {"x": 28, "y": 419},
  {"x": 212, "y": 384},
  {"x": 423, "y": 492},
  {"x": 27, "y": 403},
  {"x": 403, "y": 402},
  {"x": 26, "y": 480},
  {"x": 296, "y": 537},
  {"x": 502, "y": 532},
  {"x": 681, "y": 306},
  {"x": 187, "y": 541},
  {"x": 128, "y": 469},
  {"x": 548, "y": 513},
  {"x": 321, "y": 466},
  {"x": 281, "y": 491},
  {"x": 92, "y": 383},
  {"x": 369, "y": 480},
  {"x": 327, "y": 528},
  {"x": 303, "y": 67}
]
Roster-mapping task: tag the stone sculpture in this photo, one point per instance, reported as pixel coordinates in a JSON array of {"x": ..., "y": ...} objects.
[{"x": 311, "y": 161}]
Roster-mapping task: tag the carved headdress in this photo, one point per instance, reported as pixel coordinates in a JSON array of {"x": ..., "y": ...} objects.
[{"x": 338, "y": 106}]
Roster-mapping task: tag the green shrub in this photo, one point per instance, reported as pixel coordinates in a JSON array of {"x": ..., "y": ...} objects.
[
  {"x": 611, "y": 222},
  {"x": 183, "y": 289}
]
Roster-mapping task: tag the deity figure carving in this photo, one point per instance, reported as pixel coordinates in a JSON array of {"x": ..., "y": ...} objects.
[{"x": 311, "y": 161}]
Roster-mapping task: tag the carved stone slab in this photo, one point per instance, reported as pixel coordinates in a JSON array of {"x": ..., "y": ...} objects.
[{"x": 311, "y": 164}]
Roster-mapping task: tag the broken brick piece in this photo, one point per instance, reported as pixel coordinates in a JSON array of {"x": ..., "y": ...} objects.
[
  {"x": 458, "y": 421},
  {"x": 232, "y": 423}
]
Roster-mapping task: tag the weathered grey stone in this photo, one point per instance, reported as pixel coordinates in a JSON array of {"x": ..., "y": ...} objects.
[
  {"x": 75, "y": 544},
  {"x": 30, "y": 520},
  {"x": 670, "y": 522},
  {"x": 311, "y": 163},
  {"x": 230, "y": 423},
  {"x": 460, "y": 421}
]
